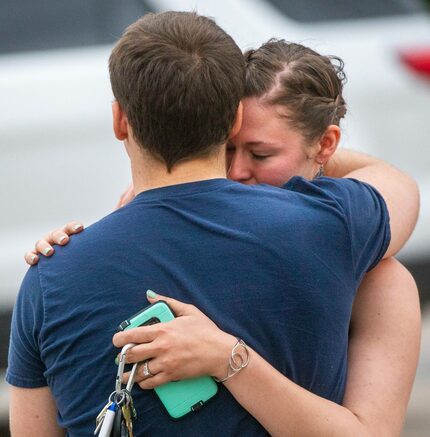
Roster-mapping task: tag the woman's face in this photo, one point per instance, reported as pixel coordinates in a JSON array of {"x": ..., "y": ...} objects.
[{"x": 266, "y": 150}]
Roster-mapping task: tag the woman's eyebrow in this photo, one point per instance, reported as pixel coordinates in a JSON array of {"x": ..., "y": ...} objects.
[{"x": 260, "y": 143}]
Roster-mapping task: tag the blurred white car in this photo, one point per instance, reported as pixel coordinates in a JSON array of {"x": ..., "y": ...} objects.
[{"x": 59, "y": 160}]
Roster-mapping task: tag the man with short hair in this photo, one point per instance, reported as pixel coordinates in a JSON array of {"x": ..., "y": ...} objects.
[{"x": 234, "y": 251}]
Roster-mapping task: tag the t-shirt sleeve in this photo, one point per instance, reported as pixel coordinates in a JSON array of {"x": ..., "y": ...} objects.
[
  {"x": 25, "y": 366},
  {"x": 365, "y": 213}
]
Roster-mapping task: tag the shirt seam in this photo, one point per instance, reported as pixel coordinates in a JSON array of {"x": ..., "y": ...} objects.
[
  {"x": 42, "y": 292},
  {"x": 292, "y": 183},
  {"x": 175, "y": 196},
  {"x": 13, "y": 376},
  {"x": 387, "y": 238},
  {"x": 348, "y": 231}
]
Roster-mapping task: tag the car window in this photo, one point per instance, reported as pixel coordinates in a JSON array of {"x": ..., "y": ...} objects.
[
  {"x": 331, "y": 10},
  {"x": 28, "y": 25}
]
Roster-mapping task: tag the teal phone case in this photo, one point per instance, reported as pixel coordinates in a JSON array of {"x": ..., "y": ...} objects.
[{"x": 179, "y": 397}]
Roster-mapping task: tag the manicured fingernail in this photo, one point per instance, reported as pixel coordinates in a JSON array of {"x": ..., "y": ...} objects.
[
  {"x": 151, "y": 294},
  {"x": 117, "y": 360},
  {"x": 62, "y": 239},
  {"x": 32, "y": 258},
  {"x": 47, "y": 250},
  {"x": 76, "y": 227}
]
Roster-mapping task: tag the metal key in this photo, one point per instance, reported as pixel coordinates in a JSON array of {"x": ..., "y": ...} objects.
[
  {"x": 128, "y": 410},
  {"x": 101, "y": 416},
  {"x": 132, "y": 409},
  {"x": 127, "y": 419}
]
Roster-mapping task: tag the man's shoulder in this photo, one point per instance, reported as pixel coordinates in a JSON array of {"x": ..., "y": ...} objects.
[
  {"x": 298, "y": 188},
  {"x": 328, "y": 187},
  {"x": 89, "y": 246},
  {"x": 300, "y": 207},
  {"x": 319, "y": 186}
]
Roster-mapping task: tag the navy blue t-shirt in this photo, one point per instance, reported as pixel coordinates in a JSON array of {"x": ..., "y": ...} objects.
[{"x": 278, "y": 267}]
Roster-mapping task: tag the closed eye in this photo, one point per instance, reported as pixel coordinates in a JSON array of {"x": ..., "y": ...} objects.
[{"x": 259, "y": 157}]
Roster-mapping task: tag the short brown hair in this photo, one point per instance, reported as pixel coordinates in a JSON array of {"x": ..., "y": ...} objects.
[
  {"x": 179, "y": 78},
  {"x": 306, "y": 83}
]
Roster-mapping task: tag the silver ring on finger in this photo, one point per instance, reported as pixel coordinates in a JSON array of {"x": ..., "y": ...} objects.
[{"x": 146, "y": 372}]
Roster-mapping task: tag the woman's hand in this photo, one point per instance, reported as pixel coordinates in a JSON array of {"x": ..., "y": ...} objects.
[
  {"x": 126, "y": 197},
  {"x": 191, "y": 345},
  {"x": 59, "y": 236}
]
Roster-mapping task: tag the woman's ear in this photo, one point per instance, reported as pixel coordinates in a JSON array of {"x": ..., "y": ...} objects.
[
  {"x": 237, "y": 121},
  {"x": 328, "y": 144},
  {"x": 120, "y": 122}
]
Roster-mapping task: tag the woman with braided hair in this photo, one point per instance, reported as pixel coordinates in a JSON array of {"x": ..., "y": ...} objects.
[{"x": 292, "y": 108}]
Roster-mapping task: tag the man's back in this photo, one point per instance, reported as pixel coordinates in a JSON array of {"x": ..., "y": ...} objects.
[{"x": 277, "y": 268}]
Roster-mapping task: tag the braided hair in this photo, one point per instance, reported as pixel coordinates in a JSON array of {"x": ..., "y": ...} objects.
[{"x": 306, "y": 84}]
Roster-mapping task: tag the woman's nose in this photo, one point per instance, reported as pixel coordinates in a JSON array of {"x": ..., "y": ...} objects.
[{"x": 239, "y": 170}]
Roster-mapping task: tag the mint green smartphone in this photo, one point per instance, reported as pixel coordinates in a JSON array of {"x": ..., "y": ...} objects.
[{"x": 179, "y": 397}]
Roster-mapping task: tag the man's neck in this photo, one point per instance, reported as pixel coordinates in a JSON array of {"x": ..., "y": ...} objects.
[{"x": 149, "y": 174}]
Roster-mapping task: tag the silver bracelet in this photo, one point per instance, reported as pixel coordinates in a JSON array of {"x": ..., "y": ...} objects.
[{"x": 237, "y": 361}]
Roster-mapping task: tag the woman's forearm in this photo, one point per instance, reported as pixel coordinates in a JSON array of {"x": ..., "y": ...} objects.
[
  {"x": 345, "y": 161},
  {"x": 284, "y": 408},
  {"x": 383, "y": 355},
  {"x": 281, "y": 406},
  {"x": 399, "y": 190}
]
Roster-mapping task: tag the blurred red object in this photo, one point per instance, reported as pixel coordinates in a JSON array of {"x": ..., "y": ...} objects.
[{"x": 417, "y": 60}]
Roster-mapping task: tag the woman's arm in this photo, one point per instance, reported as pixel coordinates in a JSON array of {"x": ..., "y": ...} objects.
[
  {"x": 281, "y": 406},
  {"x": 383, "y": 348},
  {"x": 383, "y": 358},
  {"x": 399, "y": 190}
]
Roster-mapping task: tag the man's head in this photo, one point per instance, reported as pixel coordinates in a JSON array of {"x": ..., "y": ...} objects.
[{"x": 178, "y": 78}]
